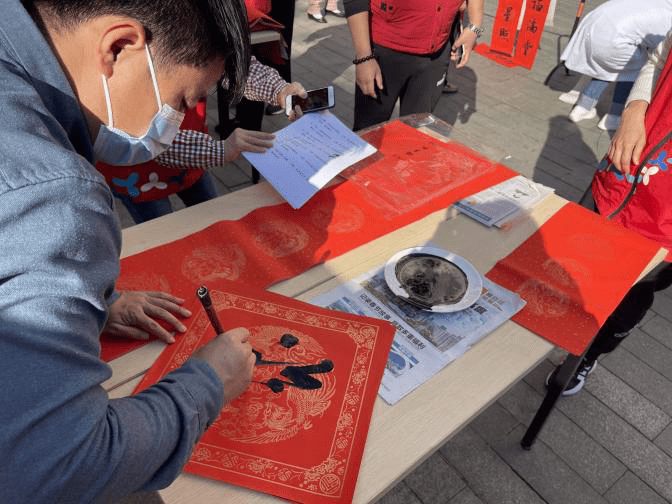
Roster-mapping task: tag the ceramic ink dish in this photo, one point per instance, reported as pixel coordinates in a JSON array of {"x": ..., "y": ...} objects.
[{"x": 433, "y": 279}]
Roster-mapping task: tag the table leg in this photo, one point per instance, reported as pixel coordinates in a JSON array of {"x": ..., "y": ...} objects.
[{"x": 555, "y": 389}]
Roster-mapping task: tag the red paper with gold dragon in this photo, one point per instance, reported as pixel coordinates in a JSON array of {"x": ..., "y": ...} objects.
[{"x": 299, "y": 430}]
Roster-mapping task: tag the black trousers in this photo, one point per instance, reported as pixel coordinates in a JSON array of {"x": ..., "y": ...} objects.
[
  {"x": 632, "y": 308},
  {"x": 415, "y": 79}
]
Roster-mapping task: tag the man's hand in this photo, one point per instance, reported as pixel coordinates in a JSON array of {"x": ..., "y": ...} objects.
[
  {"x": 368, "y": 76},
  {"x": 135, "y": 314},
  {"x": 242, "y": 140},
  {"x": 467, "y": 39},
  {"x": 230, "y": 355},
  {"x": 628, "y": 142},
  {"x": 295, "y": 88}
]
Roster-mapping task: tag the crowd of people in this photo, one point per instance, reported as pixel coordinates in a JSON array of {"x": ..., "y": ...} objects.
[{"x": 106, "y": 99}]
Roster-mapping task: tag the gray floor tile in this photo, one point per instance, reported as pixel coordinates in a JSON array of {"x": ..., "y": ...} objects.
[
  {"x": 592, "y": 462},
  {"x": 632, "y": 490},
  {"x": 664, "y": 440},
  {"x": 435, "y": 481},
  {"x": 638, "y": 375},
  {"x": 466, "y": 496},
  {"x": 494, "y": 423},
  {"x": 400, "y": 494},
  {"x": 629, "y": 404},
  {"x": 650, "y": 350},
  {"x": 660, "y": 328},
  {"x": 642, "y": 457},
  {"x": 487, "y": 474},
  {"x": 557, "y": 483}
]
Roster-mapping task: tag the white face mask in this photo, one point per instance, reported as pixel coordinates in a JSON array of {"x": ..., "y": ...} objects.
[{"x": 117, "y": 147}]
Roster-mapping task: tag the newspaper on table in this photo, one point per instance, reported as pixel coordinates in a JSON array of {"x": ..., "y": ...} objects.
[
  {"x": 504, "y": 202},
  {"x": 425, "y": 341}
]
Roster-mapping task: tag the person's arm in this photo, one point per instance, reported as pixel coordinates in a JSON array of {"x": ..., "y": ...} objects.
[
  {"x": 367, "y": 73},
  {"x": 195, "y": 149},
  {"x": 468, "y": 37},
  {"x": 265, "y": 84},
  {"x": 62, "y": 439},
  {"x": 628, "y": 142}
]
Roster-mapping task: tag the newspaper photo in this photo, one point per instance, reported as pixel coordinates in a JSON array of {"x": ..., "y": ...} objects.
[{"x": 425, "y": 341}]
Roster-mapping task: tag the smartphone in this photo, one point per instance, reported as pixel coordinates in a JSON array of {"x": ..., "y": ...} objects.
[{"x": 317, "y": 99}]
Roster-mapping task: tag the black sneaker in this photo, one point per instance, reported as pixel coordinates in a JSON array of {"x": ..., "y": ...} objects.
[{"x": 576, "y": 383}]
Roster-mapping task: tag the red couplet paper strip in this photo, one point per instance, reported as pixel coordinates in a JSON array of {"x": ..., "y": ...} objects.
[
  {"x": 573, "y": 272},
  {"x": 299, "y": 430},
  {"x": 411, "y": 176},
  {"x": 505, "y": 26},
  {"x": 530, "y": 32}
]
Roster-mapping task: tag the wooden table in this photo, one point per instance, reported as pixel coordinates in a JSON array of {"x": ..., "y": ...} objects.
[{"x": 401, "y": 436}]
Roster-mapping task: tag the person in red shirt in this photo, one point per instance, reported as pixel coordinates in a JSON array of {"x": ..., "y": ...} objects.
[{"x": 402, "y": 51}]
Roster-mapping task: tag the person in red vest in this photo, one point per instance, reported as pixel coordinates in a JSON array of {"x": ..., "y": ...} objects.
[
  {"x": 639, "y": 157},
  {"x": 401, "y": 52},
  {"x": 144, "y": 188}
]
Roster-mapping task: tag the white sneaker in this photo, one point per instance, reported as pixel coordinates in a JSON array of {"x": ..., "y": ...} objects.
[
  {"x": 581, "y": 114},
  {"x": 570, "y": 97},
  {"x": 609, "y": 122}
]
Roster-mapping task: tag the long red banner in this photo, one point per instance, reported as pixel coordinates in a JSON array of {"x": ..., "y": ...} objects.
[{"x": 411, "y": 176}]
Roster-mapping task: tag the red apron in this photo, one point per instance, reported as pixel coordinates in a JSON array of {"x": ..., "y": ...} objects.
[
  {"x": 151, "y": 181},
  {"x": 649, "y": 211}
]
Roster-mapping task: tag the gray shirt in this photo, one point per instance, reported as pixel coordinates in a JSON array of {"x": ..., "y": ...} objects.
[{"x": 61, "y": 438}]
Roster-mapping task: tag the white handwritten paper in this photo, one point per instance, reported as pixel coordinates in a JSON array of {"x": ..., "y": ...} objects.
[{"x": 307, "y": 154}]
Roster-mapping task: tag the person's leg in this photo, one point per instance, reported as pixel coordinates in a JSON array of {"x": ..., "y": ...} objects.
[
  {"x": 585, "y": 105},
  {"x": 424, "y": 87},
  {"x": 283, "y": 12},
  {"x": 591, "y": 93},
  {"x": 395, "y": 69},
  {"x": 314, "y": 7},
  {"x": 572, "y": 95},
  {"x": 145, "y": 210},
  {"x": 203, "y": 189},
  {"x": 612, "y": 119}
]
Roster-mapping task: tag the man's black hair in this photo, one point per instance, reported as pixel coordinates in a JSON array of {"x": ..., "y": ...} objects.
[{"x": 188, "y": 32}]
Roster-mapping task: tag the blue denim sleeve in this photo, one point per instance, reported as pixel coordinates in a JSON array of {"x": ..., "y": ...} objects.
[{"x": 62, "y": 439}]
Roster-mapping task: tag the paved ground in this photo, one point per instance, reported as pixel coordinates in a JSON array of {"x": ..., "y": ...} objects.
[{"x": 612, "y": 443}]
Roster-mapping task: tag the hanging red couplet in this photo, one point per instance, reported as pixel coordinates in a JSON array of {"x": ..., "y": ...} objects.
[
  {"x": 508, "y": 46},
  {"x": 530, "y": 32},
  {"x": 505, "y": 26}
]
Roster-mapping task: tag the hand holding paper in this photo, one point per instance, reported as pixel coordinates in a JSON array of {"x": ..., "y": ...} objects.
[{"x": 307, "y": 154}]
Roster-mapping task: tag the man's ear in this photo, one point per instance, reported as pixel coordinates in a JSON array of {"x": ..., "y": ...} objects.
[{"x": 120, "y": 34}]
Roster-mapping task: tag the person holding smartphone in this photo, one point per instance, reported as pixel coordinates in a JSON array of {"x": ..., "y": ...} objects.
[
  {"x": 182, "y": 169},
  {"x": 401, "y": 52}
]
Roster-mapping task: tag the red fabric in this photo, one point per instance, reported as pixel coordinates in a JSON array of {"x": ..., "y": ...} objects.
[
  {"x": 573, "y": 272},
  {"x": 303, "y": 445},
  {"x": 530, "y": 32},
  {"x": 505, "y": 26},
  {"x": 413, "y": 26},
  {"x": 263, "y": 6},
  {"x": 275, "y": 243},
  {"x": 258, "y": 17},
  {"x": 649, "y": 212},
  {"x": 176, "y": 179}
]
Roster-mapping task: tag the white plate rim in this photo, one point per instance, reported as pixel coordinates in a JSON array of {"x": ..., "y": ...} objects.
[{"x": 474, "y": 279}]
